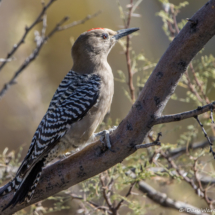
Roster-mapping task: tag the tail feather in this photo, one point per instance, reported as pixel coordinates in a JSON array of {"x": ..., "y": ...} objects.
[
  {"x": 13, "y": 185},
  {"x": 33, "y": 187},
  {"x": 26, "y": 188},
  {"x": 7, "y": 188}
]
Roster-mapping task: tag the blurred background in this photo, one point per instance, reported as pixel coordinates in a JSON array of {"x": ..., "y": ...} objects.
[{"x": 24, "y": 105}]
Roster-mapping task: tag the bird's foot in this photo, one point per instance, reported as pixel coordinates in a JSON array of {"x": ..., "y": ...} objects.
[
  {"x": 154, "y": 143},
  {"x": 105, "y": 135}
]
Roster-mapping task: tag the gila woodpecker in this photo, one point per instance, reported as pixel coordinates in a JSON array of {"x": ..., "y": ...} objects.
[{"x": 76, "y": 109}]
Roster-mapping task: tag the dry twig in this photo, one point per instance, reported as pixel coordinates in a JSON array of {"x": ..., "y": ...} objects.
[
  {"x": 40, "y": 42},
  {"x": 198, "y": 83},
  {"x": 165, "y": 201},
  {"x": 27, "y": 30},
  {"x": 205, "y": 133},
  {"x": 127, "y": 54},
  {"x": 183, "y": 175},
  {"x": 105, "y": 195},
  {"x": 127, "y": 194},
  {"x": 90, "y": 203},
  {"x": 183, "y": 115},
  {"x": 162, "y": 198},
  {"x": 154, "y": 143}
]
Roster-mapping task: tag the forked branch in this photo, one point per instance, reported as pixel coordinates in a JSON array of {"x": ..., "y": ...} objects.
[
  {"x": 39, "y": 44},
  {"x": 186, "y": 115}
]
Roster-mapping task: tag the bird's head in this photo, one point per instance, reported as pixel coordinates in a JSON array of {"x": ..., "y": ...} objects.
[{"x": 94, "y": 45}]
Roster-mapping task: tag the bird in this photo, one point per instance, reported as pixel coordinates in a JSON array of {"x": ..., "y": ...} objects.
[{"x": 77, "y": 108}]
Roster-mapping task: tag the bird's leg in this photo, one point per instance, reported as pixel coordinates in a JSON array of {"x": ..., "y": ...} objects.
[
  {"x": 154, "y": 143},
  {"x": 105, "y": 135}
]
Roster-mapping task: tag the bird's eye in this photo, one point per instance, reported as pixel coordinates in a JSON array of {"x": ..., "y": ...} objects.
[{"x": 104, "y": 36}]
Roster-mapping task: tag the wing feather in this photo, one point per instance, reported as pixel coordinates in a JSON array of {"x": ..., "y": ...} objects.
[
  {"x": 70, "y": 105},
  {"x": 72, "y": 100}
]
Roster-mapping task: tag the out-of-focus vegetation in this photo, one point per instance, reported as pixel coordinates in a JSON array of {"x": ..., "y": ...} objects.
[{"x": 182, "y": 168}]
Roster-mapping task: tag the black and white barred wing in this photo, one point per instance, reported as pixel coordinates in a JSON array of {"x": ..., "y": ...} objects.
[
  {"x": 68, "y": 106},
  {"x": 72, "y": 102},
  {"x": 72, "y": 80}
]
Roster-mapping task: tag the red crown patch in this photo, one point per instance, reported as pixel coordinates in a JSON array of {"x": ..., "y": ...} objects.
[{"x": 95, "y": 29}]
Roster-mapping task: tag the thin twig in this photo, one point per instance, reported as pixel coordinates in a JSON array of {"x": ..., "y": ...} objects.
[
  {"x": 28, "y": 60},
  {"x": 171, "y": 28},
  {"x": 192, "y": 87},
  {"x": 163, "y": 200},
  {"x": 198, "y": 83},
  {"x": 27, "y": 29},
  {"x": 127, "y": 194},
  {"x": 199, "y": 183},
  {"x": 43, "y": 32},
  {"x": 211, "y": 115},
  {"x": 181, "y": 150},
  {"x": 184, "y": 115},
  {"x": 154, "y": 143},
  {"x": 127, "y": 54},
  {"x": 36, "y": 51},
  {"x": 92, "y": 204},
  {"x": 61, "y": 28},
  {"x": 183, "y": 175},
  {"x": 57, "y": 27},
  {"x": 205, "y": 133},
  {"x": 174, "y": 18},
  {"x": 8, "y": 59},
  {"x": 106, "y": 197}
]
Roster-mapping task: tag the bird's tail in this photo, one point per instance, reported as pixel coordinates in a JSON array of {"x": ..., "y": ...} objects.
[
  {"x": 7, "y": 188},
  {"x": 23, "y": 187}
]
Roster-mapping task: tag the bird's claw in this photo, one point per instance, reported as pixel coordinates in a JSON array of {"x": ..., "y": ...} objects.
[{"x": 105, "y": 137}]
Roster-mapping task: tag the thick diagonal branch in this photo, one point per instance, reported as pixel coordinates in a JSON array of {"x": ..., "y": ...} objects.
[{"x": 153, "y": 98}]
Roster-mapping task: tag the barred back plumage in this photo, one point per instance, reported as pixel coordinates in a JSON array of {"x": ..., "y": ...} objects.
[{"x": 73, "y": 99}]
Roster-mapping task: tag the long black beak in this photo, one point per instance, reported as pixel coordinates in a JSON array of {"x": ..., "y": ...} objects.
[{"x": 124, "y": 32}]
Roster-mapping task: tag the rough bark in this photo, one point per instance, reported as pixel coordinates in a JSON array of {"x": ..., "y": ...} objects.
[{"x": 95, "y": 158}]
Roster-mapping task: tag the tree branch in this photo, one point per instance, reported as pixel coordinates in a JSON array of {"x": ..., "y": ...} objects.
[
  {"x": 198, "y": 83},
  {"x": 184, "y": 115},
  {"x": 27, "y": 30},
  {"x": 105, "y": 196},
  {"x": 206, "y": 135},
  {"x": 163, "y": 200},
  {"x": 92, "y": 204},
  {"x": 79, "y": 22},
  {"x": 136, "y": 125},
  {"x": 40, "y": 42},
  {"x": 192, "y": 88},
  {"x": 180, "y": 172},
  {"x": 154, "y": 143},
  {"x": 127, "y": 54},
  {"x": 181, "y": 150},
  {"x": 127, "y": 194}
]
